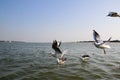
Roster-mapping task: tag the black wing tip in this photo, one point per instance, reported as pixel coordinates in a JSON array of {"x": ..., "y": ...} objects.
[{"x": 95, "y": 31}]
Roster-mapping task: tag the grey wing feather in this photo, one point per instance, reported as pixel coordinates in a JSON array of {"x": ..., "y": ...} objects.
[
  {"x": 96, "y": 37},
  {"x": 55, "y": 47}
]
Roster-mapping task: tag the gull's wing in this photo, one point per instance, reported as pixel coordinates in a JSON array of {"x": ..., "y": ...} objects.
[
  {"x": 55, "y": 47},
  {"x": 109, "y": 39},
  {"x": 57, "y": 50},
  {"x": 58, "y": 60},
  {"x": 58, "y": 44},
  {"x": 64, "y": 52},
  {"x": 54, "y": 44},
  {"x": 96, "y": 37},
  {"x": 112, "y": 13}
]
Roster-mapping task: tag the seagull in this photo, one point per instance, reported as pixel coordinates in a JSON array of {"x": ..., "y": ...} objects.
[
  {"x": 85, "y": 57},
  {"x": 62, "y": 59},
  {"x": 55, "y": 46},
  {"x": 113, "y": 14},
  {"x": 99, "y": 43}
]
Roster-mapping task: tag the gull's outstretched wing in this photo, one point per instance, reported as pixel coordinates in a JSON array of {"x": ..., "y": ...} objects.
[
  {"x": 64, "y": 52},
  {"x": 109, "y": 39},
  {"x": 96, "y": 37},
  {"x": 55, "y": 47}
]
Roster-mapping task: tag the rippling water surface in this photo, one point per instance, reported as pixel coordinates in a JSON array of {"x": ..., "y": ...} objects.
[{"x": 31, "y": 61}]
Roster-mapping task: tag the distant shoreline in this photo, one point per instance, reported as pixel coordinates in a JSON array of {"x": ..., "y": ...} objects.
[{"x": 2, "y": 41}]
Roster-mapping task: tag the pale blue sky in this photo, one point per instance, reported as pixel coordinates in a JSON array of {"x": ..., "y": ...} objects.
[{"x": 64, "y": 20}]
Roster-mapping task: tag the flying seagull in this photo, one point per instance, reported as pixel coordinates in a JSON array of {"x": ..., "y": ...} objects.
[
  {"x": 55, "y": 46},
  {"x": 113, "y": 14},
  {"x": 99, "y": 43}
]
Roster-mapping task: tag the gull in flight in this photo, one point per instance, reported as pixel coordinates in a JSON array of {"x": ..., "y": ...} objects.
[
  {"x": 113, "y": 14},
  {"x": 99, "y": 43},
  {"x": 60, "y": 58},
  {"x": 55, "y": 46}
]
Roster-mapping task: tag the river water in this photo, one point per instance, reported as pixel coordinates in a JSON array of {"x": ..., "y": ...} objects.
[{"x": 31, "y": 61}]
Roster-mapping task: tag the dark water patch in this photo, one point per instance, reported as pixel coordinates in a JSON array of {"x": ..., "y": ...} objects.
[
  {"x": 59, "y": 76},
  {"x": 116, "y": 75},
  {"x": 115, "y": 69},
  {"x": 7, "y": 61},
  {"x": 116, "y": 62},
  {"x": 103, "y": 74},
  {"x": 9, "y": 77},
  {"x": 109, "y": 64},
  {"x": 93, "y": 76}
]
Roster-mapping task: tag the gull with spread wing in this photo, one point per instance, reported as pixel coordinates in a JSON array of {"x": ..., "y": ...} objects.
[{"x": 99, "y": 43}]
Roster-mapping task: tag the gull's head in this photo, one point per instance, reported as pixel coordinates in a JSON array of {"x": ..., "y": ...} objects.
[{"x": 109, "y": 15}]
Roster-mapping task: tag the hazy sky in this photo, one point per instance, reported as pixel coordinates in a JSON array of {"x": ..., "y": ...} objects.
[{"x": 64, "y": 20}]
